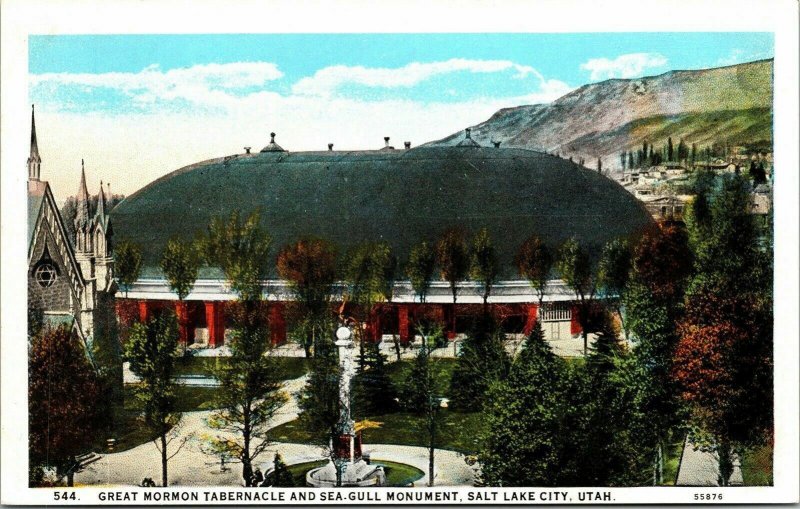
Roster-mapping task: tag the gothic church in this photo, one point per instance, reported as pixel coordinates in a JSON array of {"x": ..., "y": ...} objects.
[{"x": 68, "y": 284}]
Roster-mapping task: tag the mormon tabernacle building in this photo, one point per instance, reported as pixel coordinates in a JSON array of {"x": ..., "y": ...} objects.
[{"x": 401, "y": 196}]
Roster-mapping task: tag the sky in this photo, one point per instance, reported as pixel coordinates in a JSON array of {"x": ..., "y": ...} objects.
[{"x": 136, "y": 107}]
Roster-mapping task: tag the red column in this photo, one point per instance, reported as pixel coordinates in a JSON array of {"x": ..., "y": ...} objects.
[
  {"x": 215, "y": 320},
  {"x": 449, "y": 311},
  {"x": 402, "y": 322},
  {"x": 277, "y": 323},
  {"x": 531, "y": 318},
  {"x": 144, "y": 311},
  {"x": 575, "y": 323},
  {"x": 374, "y": 326},
  {"x": 182, "y": 312}
]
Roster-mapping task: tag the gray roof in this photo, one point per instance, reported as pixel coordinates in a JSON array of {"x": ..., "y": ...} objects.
[{"x": 400, "y": 196}]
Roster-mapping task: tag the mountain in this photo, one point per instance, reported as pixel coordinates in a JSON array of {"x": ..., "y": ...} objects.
[{"x": 726, "y": 105}]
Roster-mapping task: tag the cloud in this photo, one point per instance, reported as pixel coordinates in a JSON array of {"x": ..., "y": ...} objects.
[
  {"x": 624, "y": 66},
  {"x": 738, "y": 56},
  {"x": 328, "y": 80},
  {"x": 205, "y": 83}
]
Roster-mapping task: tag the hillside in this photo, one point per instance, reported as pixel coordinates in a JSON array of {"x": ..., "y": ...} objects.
[{"x": 727, "y": 105}]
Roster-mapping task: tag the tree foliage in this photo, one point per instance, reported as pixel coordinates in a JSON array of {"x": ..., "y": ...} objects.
[
  {"x": 127, "y": 264},
  {"x": 151, "y": 351},
  {"x": 280, "y": 476},
  {"x": 180, "y": 263},
  {"x": 453, "y": 258},
  {"x": 535, "y": 261},
  {"x": 373, "y": 390},
  {"x": 420, "y": 269},
  {"x": 309, "y": 265},
  {"x": 319, "y": 398},
  {"x": 483, "y": 262},
  {"x": 240, "y": 248},
  {"x": 63, "y": 392}
]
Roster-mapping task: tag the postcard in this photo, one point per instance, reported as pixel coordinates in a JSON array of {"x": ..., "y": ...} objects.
[{"x": 440, "y": 253}]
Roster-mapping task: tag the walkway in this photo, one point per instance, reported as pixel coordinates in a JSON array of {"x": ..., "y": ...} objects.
[
  {"x": 195, "y": 465},
  {"x": 701, "y": 468}
]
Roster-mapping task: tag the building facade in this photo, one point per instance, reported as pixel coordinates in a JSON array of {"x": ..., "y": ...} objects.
[{"x": 68, "y": 284}]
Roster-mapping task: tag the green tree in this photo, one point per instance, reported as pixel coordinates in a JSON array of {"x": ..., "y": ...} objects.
[
  {"x": 453, "y": 260},
  {"x": 309, "y": 265},
  {"x": 483, "y": 262},
  {"x": 613, "y": 272},
  {"x": 373, "y": 390},
  {"x": 319, "y": 398},
  {"x": 63, "y": 393},
  {"x": 630, "y": 160},
  {"x": 127, "y": 264},
  {"x": 670, "y": 149},
  {"x": 524, "y": 442},
  {"x": 151, "y": 351},
  {"x": 281, "y": 477},
  {"x": 535, "y": 261},
  {"x": 481, "y": 362},
  {"x": 239, "y": 247},
  {"x": 420, "y": 268},
  {"x": 599, "y": 165},
  {"x": 249, "y": 396},
  {"x": 576, "y": 270},
  {"x": 180, "y": 264}
]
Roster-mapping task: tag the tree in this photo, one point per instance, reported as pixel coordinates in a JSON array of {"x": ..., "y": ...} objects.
[
  {"x": 630, "y": 160},
  {"x": 670, "y": 150},
  {"x": 599, "y": 165},
  {"x": 319, "y": 398},
  {"x": 524, "y": 442},
  {"x": 309, "y": 265},
  {"x": 373, "y": 389},
  {"x": 453, "y": 261},
  {"x": 612, "y": 274},
  {"x": 481, "y": 362},
  {"x": 576, "y": 270},
  {"x": 127, "y": 264},
  {"x": 240, "y": 249},
  {"x": 728, "y": 321},
  {"x": 483, "y": 262},
  {"x": 151, "y": 351},
  {"x": 249, "y": 396},
  {"x": 420, "y": 269},
  {"x": 63, "y": 392},
  {"x": 535, "y": 262},
  {"x": 180, "y": 264},
  {"x": 281, "y": 477},
  {"x": 623, "y": 160}
]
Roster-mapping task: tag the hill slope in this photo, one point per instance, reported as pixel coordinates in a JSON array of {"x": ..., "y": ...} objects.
[{"x": 726, "y": 104}]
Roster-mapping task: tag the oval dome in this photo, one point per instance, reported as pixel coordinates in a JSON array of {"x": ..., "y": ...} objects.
[{"x": 399, "y": 196}]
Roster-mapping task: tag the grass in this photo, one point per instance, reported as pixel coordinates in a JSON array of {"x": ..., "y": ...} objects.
[
  {"x": 456, "y": 431},
  {"x": 757, "y": 466},
  {"x": 397, "y": 474},
  {"x": 290, "y": 367},
  {"x": 672, "y": 458},
  {"x": 442, "y": 372}
]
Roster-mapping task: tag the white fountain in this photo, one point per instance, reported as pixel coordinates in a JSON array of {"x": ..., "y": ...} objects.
[{"x": 346, "y": 467}]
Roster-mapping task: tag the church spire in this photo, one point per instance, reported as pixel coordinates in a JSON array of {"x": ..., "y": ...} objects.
[
  {"x": 101, "y": 205},
  {"x": 34, "y": 160},
  {"x": 82, "y": 214}
]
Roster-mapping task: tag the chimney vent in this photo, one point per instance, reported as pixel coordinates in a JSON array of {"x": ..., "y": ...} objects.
[
  {"x": 496, "y": 144},
  {"x": 272, "y": 137},
  {"x": 387, "y": 146},
  {"x": 469, "y": 133},
  {"x": 386, "y": 140},
  {"x": 407, "y": 144},
  {"x": 330, "y": 146},
  {"x": 247, "y": 149}
]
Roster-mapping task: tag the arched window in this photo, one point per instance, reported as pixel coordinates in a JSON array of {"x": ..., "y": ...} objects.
[{"x": 45, "y": 272}]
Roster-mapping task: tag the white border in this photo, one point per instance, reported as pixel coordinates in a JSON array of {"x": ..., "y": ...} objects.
[{"x": 21, "y": 17}]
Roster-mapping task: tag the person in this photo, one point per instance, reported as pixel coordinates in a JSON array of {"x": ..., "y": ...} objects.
[{"x": 258, "y": 477}]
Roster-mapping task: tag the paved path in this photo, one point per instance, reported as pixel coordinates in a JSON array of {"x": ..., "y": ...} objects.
[
  {"x": 701, "y": 468},
  {"x": 194, "y": 465}
]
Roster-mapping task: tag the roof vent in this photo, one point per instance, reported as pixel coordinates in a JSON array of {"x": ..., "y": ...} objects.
[
  {"x": 330, "y": 146},
  {"x": 407, "y": 144},
  {"x": 496, "y": 144},
  {"x": 272, "y": 147},
  {"x": 468, "y": 141},
  {"x": 247, "y": 149},
  {"x": 387, "y": 146}
]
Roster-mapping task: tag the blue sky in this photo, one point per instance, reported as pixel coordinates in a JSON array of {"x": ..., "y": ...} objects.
[{"x": 138, "y": 106}]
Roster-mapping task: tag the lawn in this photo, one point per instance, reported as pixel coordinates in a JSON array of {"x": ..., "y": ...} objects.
[
  {"x": 456, "y": 431},
  {"x": 672, "y": 458},
  {"x": 442, "y": 372},
  {"x": 757, "y": 466},
  {"x": 397, "y": 474},
  {"x": 290, "y": 367}
]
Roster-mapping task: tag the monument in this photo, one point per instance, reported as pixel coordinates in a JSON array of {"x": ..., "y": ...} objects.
[{"x": 346, "y": 467}]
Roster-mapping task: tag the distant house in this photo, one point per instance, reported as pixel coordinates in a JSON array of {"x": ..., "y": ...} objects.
[{"x": 666, "y": 207}]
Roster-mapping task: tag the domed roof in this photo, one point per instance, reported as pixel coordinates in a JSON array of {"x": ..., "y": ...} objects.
[{"x": 398, "y": 196}]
